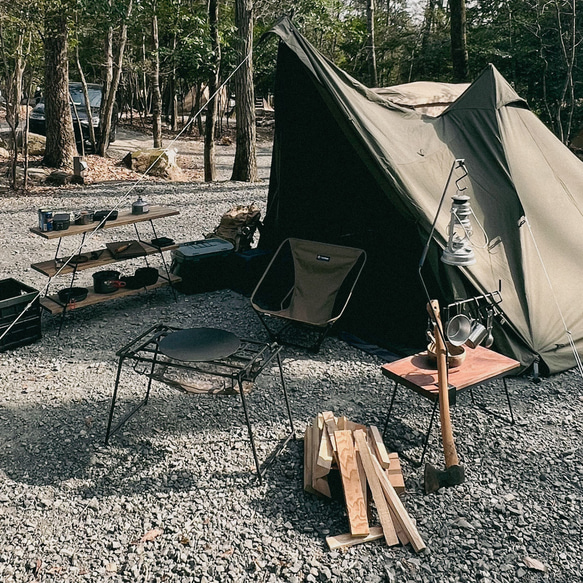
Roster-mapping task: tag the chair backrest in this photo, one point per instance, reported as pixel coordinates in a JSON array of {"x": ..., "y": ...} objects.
[{"x": 319, "y": 286}]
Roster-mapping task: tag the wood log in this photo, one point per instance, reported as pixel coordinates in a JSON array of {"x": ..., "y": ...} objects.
[
  {"x": 399, "y": 510},
  {"x": 342, "y": 541},
  {"x": 378, "y": 447},
  {"x": 319, "y": 481},
  {"x": 355, "y": 506},
  {"x": 375, "y": 487},
  {"x": 308, "y": 460}
]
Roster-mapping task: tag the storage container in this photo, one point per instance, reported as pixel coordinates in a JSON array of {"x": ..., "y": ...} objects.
[
  {"x": 201, "y": 265},
  {"x": 14, "y": 297}
]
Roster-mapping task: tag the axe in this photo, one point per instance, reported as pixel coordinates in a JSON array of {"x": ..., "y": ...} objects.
[{"x": 454, "y": 473}]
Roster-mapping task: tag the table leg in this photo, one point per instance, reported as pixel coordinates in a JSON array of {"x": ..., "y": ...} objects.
[
  {"x": 390, "y": 408},
  {"x": 508, "y": 399},
  {"x": 143, "y": 402},
  {"x": 249, "y": 428}
]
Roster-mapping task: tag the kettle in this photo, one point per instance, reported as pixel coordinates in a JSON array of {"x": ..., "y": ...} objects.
[{"x": 140, "y": 207}]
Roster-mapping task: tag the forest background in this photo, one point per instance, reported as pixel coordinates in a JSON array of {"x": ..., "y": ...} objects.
[{"x": 157, "y": 59}]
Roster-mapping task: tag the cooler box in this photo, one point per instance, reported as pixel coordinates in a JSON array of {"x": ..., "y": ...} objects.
[
  {"x": 14, "y": 297},
  {"x": 202, "y": 265},
  {"x": 246, "y": 269}
]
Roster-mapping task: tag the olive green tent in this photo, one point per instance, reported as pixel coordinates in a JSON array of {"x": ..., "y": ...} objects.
[{"x": 351, "y": 166}]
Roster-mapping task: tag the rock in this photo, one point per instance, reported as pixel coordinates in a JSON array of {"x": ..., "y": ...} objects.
[
  {"x": 154, "y": 161},
  {"x": 59, "y": 178}
]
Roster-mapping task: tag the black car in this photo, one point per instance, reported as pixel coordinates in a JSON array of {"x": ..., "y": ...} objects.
[{"x": 37, "y": 122}]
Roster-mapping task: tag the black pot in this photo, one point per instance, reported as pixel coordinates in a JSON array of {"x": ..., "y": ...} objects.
[
  {"x": 146, "y": 275},
  {"x": 70, "y": 295},
  {"x": 107, "y": 282}
]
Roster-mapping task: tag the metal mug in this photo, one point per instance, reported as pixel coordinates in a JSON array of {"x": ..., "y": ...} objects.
[
  {"x": 477, "y": 335},
  {"x": 458, "y": 329}
]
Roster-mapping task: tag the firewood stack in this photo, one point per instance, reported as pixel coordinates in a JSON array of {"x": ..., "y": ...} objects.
[{"x": 368, "y": 474}]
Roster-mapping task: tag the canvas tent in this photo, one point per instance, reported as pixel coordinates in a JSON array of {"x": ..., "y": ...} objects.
[{"x": 352, "y": 166}]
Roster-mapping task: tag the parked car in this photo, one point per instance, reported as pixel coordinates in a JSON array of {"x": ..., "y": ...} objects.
[{"x": 37, "y": 122}]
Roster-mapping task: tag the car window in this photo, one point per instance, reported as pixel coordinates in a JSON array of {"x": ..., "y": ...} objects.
[{"x": 79, "y": 100}]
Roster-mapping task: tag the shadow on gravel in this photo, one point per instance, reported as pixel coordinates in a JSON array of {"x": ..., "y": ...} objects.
[{"x": 49, "y": 445}]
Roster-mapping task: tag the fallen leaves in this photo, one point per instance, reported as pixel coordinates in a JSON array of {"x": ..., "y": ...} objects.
[
  {"x": 149, "y": 536},
  {"x": 534, "y": 564}
]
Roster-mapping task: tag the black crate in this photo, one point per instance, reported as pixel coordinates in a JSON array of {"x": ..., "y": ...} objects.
[{"x": 14, "y": 297}]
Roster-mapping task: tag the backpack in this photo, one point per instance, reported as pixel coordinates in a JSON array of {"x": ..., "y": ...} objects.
[{"x": 238, "y": 226}]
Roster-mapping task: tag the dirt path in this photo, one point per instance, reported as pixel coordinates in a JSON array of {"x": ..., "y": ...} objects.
[{"x": 190, "y": 152}]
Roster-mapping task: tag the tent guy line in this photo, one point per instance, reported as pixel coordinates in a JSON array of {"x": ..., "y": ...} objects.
[{"x": 578, "y": 362}]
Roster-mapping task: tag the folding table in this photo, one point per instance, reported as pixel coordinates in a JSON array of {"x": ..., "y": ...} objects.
[
  {"x": 205, "y": 351},
  {"x": 419, "y": 374}
]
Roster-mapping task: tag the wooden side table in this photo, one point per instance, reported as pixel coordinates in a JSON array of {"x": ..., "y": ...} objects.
[{"x": 419, "y": 374}]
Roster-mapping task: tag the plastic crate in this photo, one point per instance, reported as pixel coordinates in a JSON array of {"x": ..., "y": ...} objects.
[
  {"x": 202, "y": 265},
  {"x": 14, "y": 297}
]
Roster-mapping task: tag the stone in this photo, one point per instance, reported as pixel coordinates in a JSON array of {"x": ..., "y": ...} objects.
[{"x": 154, "y": 161}]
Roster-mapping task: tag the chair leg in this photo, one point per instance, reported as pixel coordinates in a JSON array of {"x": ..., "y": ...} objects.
[{"x": 283, "y": 386}]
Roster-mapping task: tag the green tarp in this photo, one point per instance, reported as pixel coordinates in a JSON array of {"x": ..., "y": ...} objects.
[{"x": 351, "y": 166}]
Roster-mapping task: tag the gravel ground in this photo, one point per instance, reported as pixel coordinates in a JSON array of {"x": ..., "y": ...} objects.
[{"x": 72, "y": 509}]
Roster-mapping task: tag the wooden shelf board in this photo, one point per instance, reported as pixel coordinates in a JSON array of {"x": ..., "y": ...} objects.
[
  {"x": 52, "y": 304},
  {"x": 50, "y": 268},
  {"x": 123, "y": 218}
]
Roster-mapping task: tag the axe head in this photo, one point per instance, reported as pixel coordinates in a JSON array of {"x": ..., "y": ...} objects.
[{"x": 435, "y": 479}]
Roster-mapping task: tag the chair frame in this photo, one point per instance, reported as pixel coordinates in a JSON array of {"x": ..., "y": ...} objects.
[{"x": 321, "y": 331}]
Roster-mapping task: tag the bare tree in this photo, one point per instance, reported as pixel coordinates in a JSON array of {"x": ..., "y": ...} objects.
[
  {"x": 212, "y": 105},
  {"x": 155, "y": 82},
  {"x": 245, "y": 165},
  {"x": 112, "y": 77},
  {"x": 85, "y": 90},
  {"x": 13, "y": 93}
]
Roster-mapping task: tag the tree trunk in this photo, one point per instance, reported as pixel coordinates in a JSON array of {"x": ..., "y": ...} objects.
[
  {"x": 87, "y": 102},
  {"x": 13, "y": 97},
  {"x": 155, "y": 80},
  {"x": 211, "y": 107},
  {"x": 459, "y": 51},
  {"x": 60, "y": 144},
  {"x": 372, "y": 58},
  {"x": 108, "y": 102},
  {"x": 245, "y": 165}
]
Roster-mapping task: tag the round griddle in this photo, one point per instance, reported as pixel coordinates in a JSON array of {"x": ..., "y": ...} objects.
[{"x": 199, "y": 344}]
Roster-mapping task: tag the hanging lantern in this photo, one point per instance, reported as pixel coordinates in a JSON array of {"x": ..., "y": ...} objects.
[{"x": 459, "y": 250}]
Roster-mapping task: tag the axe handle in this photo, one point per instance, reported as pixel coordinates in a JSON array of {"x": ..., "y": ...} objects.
[{"x": 449, "y": 450}]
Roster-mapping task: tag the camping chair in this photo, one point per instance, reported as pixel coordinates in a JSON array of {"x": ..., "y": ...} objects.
[{"x": 308, "y": 285}]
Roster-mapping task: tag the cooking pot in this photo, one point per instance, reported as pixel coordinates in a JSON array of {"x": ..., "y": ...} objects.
[
  {"x": 69, "y": 295},
  {"x": 143, "y": 277},
  {"x": 107, "y": 281}
]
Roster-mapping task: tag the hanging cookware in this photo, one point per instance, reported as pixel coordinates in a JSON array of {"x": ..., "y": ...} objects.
[
  {"x": 489, "y": 340},
  {"x": 107, "y": 281},
  {"x": 458, "y": 329},
  {"x": 140, "y": 207}
]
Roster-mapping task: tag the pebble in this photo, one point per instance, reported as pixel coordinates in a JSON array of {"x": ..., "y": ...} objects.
[{"x": 183, "y": 464}]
